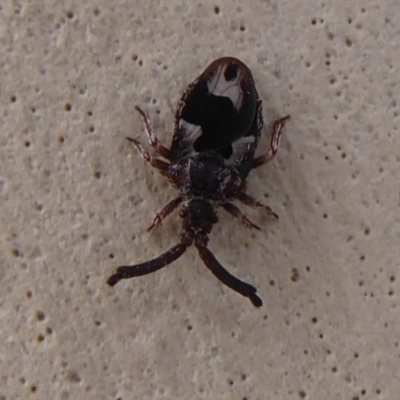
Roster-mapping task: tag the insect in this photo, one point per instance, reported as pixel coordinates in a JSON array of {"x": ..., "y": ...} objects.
[{"x": 218, "y": 124}]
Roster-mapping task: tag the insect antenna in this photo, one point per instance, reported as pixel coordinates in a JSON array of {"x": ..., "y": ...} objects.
[
  {"x": 131, "y": 271},
  {"x": 224, "y": 276}
]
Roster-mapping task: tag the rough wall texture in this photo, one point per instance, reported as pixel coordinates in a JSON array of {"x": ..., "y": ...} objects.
[{"x": 76, "y": 200}]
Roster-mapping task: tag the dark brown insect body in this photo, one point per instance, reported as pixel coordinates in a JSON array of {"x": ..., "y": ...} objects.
[{"x": 218, "y": 124}]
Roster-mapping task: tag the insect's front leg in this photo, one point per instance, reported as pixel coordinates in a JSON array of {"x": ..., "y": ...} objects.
[
  {"x": 155, "y": 162},
  {"x": 151, "y": 134},
  {"x": 274, "y": 145},
  {"x": 252, "y": 202},
  {"x": 235, "y": 212},
  {"x": 165, "y": 211}
]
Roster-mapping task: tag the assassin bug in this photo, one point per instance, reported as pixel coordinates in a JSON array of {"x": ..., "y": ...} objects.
[{"x": 218, "y": 123}]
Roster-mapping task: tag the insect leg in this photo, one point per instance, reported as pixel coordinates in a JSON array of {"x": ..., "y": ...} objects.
[
  {"x": 274, "y": 145},
  {"x": 151, "y": 134},
  {"x": 131, "y": 271},
  {"x": 252, "y": 202},
  {"x": 235, "y": 212},
  {"x": 155, "y": 162},
  {"x": 165, "y": 211},
  {"x": 222, "y": 274}
]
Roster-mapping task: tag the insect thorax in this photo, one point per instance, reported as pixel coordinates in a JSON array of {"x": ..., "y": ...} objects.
[
  {"x": 198, "y": 215},
  {"x": 206, "y": 177}
]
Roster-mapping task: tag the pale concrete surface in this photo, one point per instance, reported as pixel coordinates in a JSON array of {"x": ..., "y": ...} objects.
[{"x": 76, "y": 200}]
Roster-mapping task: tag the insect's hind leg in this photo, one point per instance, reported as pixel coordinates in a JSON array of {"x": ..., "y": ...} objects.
[
  {"x": 222, "y": 274},
  {"x": 154, "y": 162},
  {"x": 274, "y": 145},
  {"x": 151, "y": 134}
]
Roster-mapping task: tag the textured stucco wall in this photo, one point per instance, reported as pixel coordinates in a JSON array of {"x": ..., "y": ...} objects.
[{"x": 76, "y": 200}]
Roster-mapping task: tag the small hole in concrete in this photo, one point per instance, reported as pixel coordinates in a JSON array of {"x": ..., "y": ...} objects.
[
  {"x": 15, "y": 253},
  {"x": 40, "y": 316}
]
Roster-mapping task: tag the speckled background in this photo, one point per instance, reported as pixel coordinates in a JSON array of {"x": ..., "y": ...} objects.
[{"x": 76, "y": 200}]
